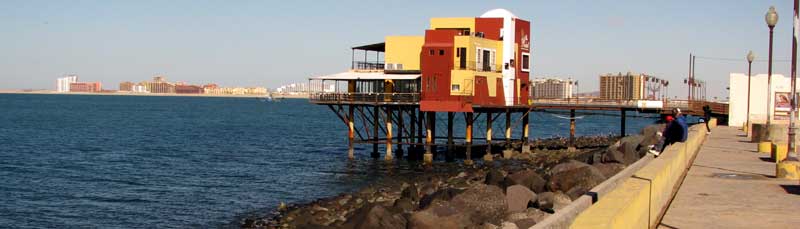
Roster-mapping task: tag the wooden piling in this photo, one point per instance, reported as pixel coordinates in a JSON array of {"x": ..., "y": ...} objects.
[
  {"x": 450, "y": 151},
  {"x": 572, "y": 128},
  {"x": 468, "y": 139},
  {"x": 428, "y": 157},
  {"x": 622, "y": 122},
  {"x": 389, "y": 156},
  {"x": 489, "y": 132},
  {"x": 375, "y": 117},
  {"x": 351, "y": 132}
]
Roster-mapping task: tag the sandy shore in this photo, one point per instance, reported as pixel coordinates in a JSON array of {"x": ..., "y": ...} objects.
[{"x": 45, "y": 92}]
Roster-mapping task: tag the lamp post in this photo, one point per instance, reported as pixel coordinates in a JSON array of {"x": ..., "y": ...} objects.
[
  {"x": 793, "y": 96},
  {"x": 771, "y": 18},
  {"x": 750, "y": 58}
]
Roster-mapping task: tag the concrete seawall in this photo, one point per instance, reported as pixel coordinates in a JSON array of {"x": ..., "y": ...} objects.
[{"x": 638, "y": 196}]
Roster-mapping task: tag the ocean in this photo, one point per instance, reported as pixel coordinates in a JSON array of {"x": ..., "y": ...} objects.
[{"x": 177, "y": 162}]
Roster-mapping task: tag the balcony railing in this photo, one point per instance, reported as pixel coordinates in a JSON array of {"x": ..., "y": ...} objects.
[
  {"x": 478, "y": 66},
  {"x": 362, "y": 65},
  {"x": 365, "y": 97}
]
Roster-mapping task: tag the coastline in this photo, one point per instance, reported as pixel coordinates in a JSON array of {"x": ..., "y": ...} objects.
[{"x": 47, "y": 92}]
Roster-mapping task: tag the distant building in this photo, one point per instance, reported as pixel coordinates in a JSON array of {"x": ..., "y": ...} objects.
[
  {"x": 158, "y": 85},
  {"x": 138, "y": 88},
  {"x": 236, "y": 91},
  {"x": 63, "y": 83},
  {"x": 126, "y": 86},
  {"x": 188, "y": 89},
  {"x": 552, "y": 88},
  {"x": 295, "y": 88},
  {"x": 85, "y": 87},
  {"x": 629, "y": 86}
]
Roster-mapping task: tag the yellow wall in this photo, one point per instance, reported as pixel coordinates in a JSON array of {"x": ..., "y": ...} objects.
[
  {"x": 472, "y": 43},
  {"x": 453, "y": 22},
  {"x": 640, "y": 200},
  {"x": 404, "y": 50}
]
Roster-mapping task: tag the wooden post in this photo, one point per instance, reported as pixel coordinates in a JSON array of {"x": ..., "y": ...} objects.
[
  {"x": 489, "y": 132},
  {"x": 622, "y": 123},
  {"x": 525, "y": 133},
  {"x": 449, "y": 154},
  {"x": 412, "y": 139},
  {"x": 388, "y": 156},
  {"x": 351, "y": 132},
  {"x": 468, "y": 159},
  {"x": 400, "y": 128},
  {"x": 572, "y": 129},
  {"x": 508, "y": 129},
  {"x": 432, "y": 119},
  {"x": 375, "y": 122},
  {"x": 428, "y": 157}
]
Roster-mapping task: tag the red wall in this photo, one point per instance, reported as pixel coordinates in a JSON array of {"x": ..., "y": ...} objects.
[
  {"x": 489, "y": 26},
  {"x": 523, "y": 28}
]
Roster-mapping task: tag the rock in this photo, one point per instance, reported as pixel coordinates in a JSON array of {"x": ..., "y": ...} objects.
[
  {"x": 410, "y": 192},
  {"x": 613, "y": 154},
  {"x": 494, "y": 177},
  {"x": 569, "y": 165},
  {"x": 282, "y": 206},
  {"x": 441, "y": 195},
  {"x": 375, "y": 216},
  {"x": 552, "y": 201},
  {"x": 508, "y": 225},
  {"x": 485, "y": 226},
  {"x": 609, "y": 169},
  {"x": 524, "y": 223},
  {"x": 486, "y": 203},
  {"x": 584, "y": 177},
  {"x": 527, "y": 178},
  {"x": 518, "y": 197},
  {"x": 560, "y": 200},
  {"x": 404, "y": 204},
  {"x": 530, "y": 213},
  {"x": 629, "y": 146},
  {"x": 427, "y": 219}
]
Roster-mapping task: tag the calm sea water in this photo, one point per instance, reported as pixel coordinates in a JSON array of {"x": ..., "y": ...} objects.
[{"x": 132, "y": 162}]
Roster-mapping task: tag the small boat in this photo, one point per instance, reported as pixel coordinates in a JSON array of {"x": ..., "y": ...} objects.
[{"x": 269, "y": 98}]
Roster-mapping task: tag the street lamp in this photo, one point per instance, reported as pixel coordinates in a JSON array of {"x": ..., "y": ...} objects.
[
  {"x": 771, "y": 18},
  {"x": 750, "y": 58},
  {"x": 791, "y": 147}
]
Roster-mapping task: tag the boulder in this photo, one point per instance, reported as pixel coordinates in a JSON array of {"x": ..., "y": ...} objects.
[
  {"x": 518, "y": 197},
  {"x": 613, "y": 154},
  {"x": 508, "y": 225},
  {"x": 486, "y": 203},
  {"x": 552, "y": 201},
  {"x": 527, "y": 178},
  {"x": 375, "y": 216},
  {"x": 494, "y": 177},
  {"x": 410, "y": 192},
  {"x": 629, "y": 146},
  {"x": 428, "y": 219},
  {"x": 569, "y": 165},
  {"x": 524, "y": 223},
  {"x": 579, "y": 180},
  {"x": 438, "y": 196},
  {"x": 650, "y": 135},
  {"x": 609, "y": 169},
  {"x": 560, "y": 200},
  {"x": 404, "y": 204},
  {"x": 530, "y": 213}
]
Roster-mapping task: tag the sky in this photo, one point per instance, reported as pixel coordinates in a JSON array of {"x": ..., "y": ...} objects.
[{"x": 271, "y": 43}]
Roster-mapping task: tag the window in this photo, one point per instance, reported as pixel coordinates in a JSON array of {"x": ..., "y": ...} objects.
[
  {"x": 441, "y": 52},
  {"x": 458, "y": 52},
  {"x": 455, "y": 87},
  {"x": 432, "y": 52},
  {"x": 526, "y": 62}
]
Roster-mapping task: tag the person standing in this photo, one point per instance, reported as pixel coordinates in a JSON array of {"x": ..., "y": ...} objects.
[{"x": 707, "y": 117}]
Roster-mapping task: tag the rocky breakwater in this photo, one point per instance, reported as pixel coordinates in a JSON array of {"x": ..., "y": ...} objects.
[{"x": 512, "y": 193}]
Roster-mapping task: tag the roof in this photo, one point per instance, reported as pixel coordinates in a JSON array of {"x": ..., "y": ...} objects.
[
  {"x": 366, "y": 76},
  {"x": 498, "y": 13},
  {"x": 380, "y": 47}
]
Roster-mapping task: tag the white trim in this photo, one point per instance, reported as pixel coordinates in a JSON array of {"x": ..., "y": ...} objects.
[{"x": 522, "y": 62}]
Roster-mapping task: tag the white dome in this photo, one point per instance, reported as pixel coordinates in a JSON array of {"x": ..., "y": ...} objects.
[{"x": 498, "y": 13}]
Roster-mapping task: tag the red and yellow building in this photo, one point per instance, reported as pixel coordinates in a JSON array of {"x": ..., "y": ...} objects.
[{"x": 459, "y": 64}]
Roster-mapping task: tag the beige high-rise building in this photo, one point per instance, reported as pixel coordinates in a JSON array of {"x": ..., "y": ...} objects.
[
  {"x": 628, "y": 86},
  {"x": 551, "y": 88}
]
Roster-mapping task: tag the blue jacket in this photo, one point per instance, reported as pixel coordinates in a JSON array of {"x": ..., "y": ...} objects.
[
  {"x": 684, "y": 128},
  {"x": 677, "y": 130}
]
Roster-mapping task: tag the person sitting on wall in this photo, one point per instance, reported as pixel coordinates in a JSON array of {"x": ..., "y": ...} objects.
[
  {"x": 675, "y": 130},
  {"x": 663, "y": 140}
]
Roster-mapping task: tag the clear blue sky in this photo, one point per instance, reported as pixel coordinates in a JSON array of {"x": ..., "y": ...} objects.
[{"x": 269, "y": 43}]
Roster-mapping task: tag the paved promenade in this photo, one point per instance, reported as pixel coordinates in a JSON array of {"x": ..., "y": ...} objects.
[{"x": 730, "y": 185}]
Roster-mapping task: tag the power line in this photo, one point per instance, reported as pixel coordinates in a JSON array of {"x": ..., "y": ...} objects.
[{"x": 735, "y": 59}]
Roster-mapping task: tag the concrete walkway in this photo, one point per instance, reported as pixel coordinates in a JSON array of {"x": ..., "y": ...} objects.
[{"x": 730, "y": 185}]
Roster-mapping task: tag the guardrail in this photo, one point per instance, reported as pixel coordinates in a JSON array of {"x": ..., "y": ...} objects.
[
  {"x": 479, "y": 67},
  {"x": 365, "y": 97}
]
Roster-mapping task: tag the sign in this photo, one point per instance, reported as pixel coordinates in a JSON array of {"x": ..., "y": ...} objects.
[{"x": 783, "y": 106}]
